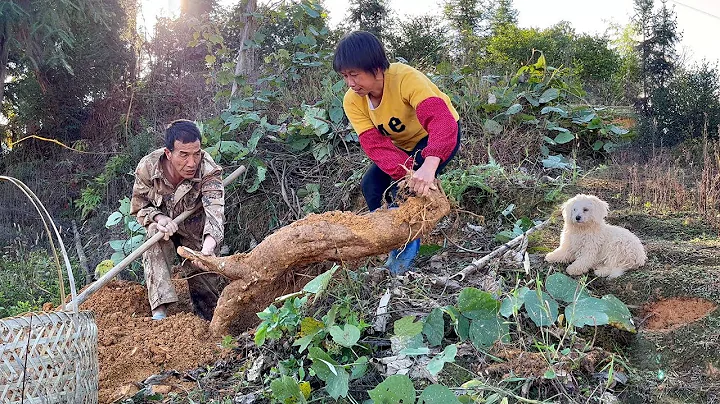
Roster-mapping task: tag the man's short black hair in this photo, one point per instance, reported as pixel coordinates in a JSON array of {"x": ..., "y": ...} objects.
[
  {"x": 360, "y": 50},
  {"x": 183, "y": 130}
]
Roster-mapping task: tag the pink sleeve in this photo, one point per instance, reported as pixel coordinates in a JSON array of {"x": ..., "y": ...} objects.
[
  {"x": 385, "y": 154},
  {"x": 435, "y": 116}
]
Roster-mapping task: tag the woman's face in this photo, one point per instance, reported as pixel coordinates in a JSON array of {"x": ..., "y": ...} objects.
[{"x": 362, "y": 82}]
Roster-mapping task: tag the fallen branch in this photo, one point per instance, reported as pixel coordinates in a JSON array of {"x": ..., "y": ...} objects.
[{"x": 482, "y": 262}]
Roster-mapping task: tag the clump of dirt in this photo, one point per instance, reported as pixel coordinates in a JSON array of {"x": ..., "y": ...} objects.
[
  {"x": 672, "y": 313},
  {"x": 331, "y": 236},
  {"x": 518, "y": 363},
  {"x": 132, "y": 346}
]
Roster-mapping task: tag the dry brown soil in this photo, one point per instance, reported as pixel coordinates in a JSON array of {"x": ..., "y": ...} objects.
[{"x": 669, "y": 314}]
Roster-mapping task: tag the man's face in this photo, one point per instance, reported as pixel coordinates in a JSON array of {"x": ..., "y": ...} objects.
[
  {"x": 362, "y": 82},
  {"x": 184, "y": 159}
]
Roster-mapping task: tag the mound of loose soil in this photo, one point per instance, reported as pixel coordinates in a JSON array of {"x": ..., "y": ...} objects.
[
  {"x": 669, "y": 314},
  {"x": 132, "y": 347}
]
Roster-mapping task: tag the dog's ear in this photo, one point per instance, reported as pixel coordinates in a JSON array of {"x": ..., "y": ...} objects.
[
  {"x": 602, "y": 205},
  {"x": 565, "y": 206}
]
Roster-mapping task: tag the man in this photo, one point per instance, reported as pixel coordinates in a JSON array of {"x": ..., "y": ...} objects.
[{"x": 169, "y": 181}]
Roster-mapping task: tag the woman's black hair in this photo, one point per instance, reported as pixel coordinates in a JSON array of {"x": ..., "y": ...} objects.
[
  {"x": 360, "y": 50},
  {"x": 183, "y": 130}
]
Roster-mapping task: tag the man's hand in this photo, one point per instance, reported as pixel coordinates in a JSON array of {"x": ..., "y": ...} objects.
[
  {"x": 209, "y": 244},
  {"x": 166, "y": 225},
  {"x": 423, "y": 180}
]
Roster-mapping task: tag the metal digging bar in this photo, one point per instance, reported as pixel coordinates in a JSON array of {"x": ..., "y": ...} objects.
[{"x": 82, "y": 297}]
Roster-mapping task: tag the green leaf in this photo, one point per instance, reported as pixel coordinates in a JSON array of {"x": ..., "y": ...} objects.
[
  {"x": 437, "y": 363},
  {"x": 437, "y": 394},
  {"x": 336, "y": 114},
  {"x": 320, "y": 282},
  {"x": 347, "y": 336},
  {"x": 117, "y": 245},
  {"x": 564, "y": 137},
  {"x": 492, "y": 127},
  {"x": 395, "y": 389},
  {"x": 514, "y": 302},
  {"x": 337, "y": 385},
  {"x": 261, "y": 334},
  {"x": 564, "y": 288},
  {"x": 359, "y": 368},
  {"x": 484, "y": 332},
  {"x": 259, "y": 178},
  {"x": 113, "y": 219},
  {"x": 286, "y": 389},
  {"x": 543, "y": 309},
  {"x": 475, "y": 303},
  {"x": 560, "y": 111},
  {"x": 618, "y": 314},
  {"x": 514, "y": 109},
  {"x": 415, "y": 351},
  {"x": 587, "y": 311},
  {"x": 434, "y": 327},
  {"x": 617, "y": 130},
  {"x": 597, "y": 145},
  {"x": 323, "y": 364},
  {"x": 549, "y": 95},
  {"x": 117, "y": 256},
  {"x": 407, "y": 327}
]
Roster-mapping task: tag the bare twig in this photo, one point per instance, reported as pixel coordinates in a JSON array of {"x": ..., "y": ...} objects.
[
  {"x": 81, "y": 255},
  {"x": 482, "y": 262}
]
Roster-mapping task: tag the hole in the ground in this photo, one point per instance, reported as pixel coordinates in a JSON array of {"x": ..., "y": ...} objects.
[{"x": 669, "y": 314}]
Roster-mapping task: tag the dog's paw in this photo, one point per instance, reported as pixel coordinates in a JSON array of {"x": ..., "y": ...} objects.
[
  {"x": 573, "y": 269},
  {"x": 553, "y": 257}
]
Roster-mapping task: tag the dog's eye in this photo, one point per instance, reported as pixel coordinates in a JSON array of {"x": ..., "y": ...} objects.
[{"x": 585, "y": 209}]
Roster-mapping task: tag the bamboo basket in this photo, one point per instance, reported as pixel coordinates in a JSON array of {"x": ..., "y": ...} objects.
[{"x": 49, "y": 357}]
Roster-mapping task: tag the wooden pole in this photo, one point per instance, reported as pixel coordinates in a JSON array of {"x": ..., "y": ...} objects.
[{"x": 95, "y": 286}]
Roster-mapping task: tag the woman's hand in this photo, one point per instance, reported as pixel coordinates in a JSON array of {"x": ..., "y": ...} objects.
[
  {"x": 209, "y": 244},
  {"x": 423, "y": 179},
  {"x": 166, "y": 225}
]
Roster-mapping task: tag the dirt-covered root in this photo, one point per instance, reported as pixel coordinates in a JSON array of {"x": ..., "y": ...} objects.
[{"x": 331, "y": 236}]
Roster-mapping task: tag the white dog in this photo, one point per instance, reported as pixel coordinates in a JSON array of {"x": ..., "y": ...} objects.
[{"x": 589, "y": 243}]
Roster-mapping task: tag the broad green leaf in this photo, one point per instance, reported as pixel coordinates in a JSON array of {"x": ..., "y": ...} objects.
[
  {"x": 597, "y": 145},
  {"x": 484, "y": 332},
  {"x": 286, "y": 389},
  {"x": 463, "y": 328},
  {"x": 259, "y": 178},
  {"x": 336, "y": 114},
  {"x": 514, "y": 302},
  {"x": 124, "y": 206},
  {"x": 407, "y": 327},
  {"x": 437, "y": 394},
  {"x": 549, "y": 95},
  {"x": 437, "y": 363},
  {"x": 492, "y": 127},
  {"x": 210, "y": 59},
  {"x": 564, "y": 288},
  {"x": 560, "y": 111},
  {"x": 543, "y": 310},
  {"x": 298, "y": 144},
  {"x": 434, "y": 327},
  {"x": 395, "y": 389},
  {"x": 117, "y": 245},
  {"x": 113, "y": 219},
  {"x": 337, "y": 384},
  {"x": 564, "y": 137},
  {"x": 320, "y": 282},
  {"x": 618, "y": 314},
  {"x": 261, "y": 334},
  {"x": 617, "y": 130},
  {"x": 347, "y": 336},
  {"x": 609, "y": 147},
  {"x": 323, "y": 364},
  {"x": 117, "y": 256},
  {"x": 475, "y": 303},
  {"x": 514, "y": 109},
  {"x": 359, "y": 368},
  {"x": 587, "y": 311}
]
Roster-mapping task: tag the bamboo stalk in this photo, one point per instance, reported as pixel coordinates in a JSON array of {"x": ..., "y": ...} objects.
[{"x": 95, "y": 286}]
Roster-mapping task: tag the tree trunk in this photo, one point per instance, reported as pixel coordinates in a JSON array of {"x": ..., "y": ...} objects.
[
  {"x": 4, "y": 52},
  {"x": 246, "y": 55}
]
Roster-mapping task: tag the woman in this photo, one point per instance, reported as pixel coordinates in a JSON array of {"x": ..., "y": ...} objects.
[{"x": 404, "y": 121}]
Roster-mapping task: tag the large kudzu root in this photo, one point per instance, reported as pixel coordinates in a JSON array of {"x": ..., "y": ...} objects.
[{"x": 331, "y": 236}]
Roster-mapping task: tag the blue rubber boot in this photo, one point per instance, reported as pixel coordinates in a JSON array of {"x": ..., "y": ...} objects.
[{"x": 401, "y": 260}]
